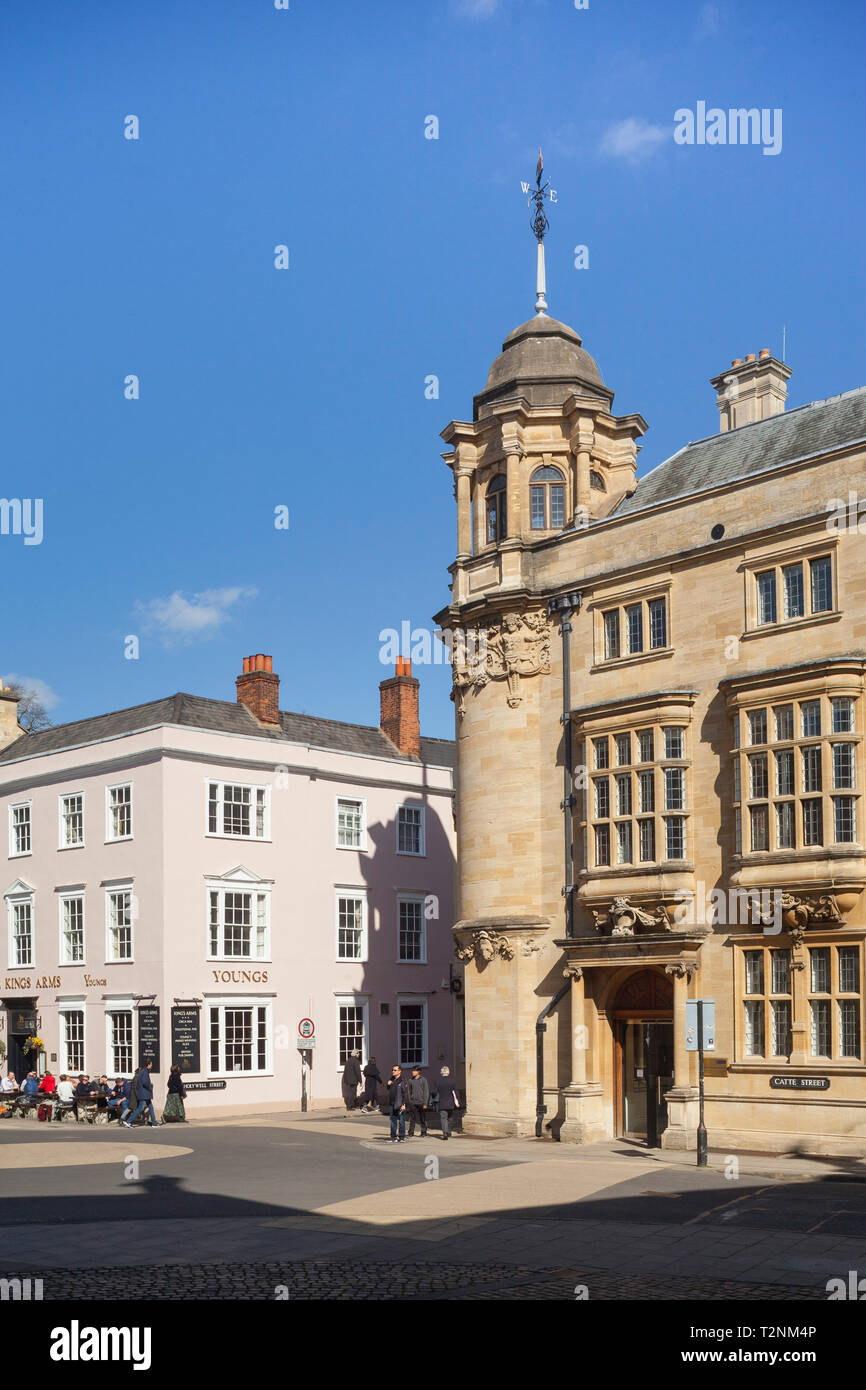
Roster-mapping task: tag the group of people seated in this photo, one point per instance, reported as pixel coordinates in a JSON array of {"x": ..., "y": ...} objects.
[
  {"x": 82, "y": 1095},
  {"x": 89, "y": 1098}
]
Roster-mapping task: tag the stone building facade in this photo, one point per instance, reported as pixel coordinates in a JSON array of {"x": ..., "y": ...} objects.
[{"x": 660, "y": 758}]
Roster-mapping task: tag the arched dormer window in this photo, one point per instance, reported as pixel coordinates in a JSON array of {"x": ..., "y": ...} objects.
[
  {"x": 546, "y": 499},
  {"x": 596, "y": 480},
  {"x": 496, "y": 519}
]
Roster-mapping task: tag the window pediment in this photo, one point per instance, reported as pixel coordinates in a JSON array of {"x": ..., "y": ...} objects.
[
  {"x": 240, "y": 874},
  {"x": 19, "y": 889}
]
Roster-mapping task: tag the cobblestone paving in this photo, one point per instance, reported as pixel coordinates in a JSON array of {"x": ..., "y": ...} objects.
[{"x": 390, "y": 1280}]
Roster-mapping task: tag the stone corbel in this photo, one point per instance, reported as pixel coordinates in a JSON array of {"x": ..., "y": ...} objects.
[
  {"x": 623, "y": 918},
  {"x": 483, "y": 946},
  {"x": 682, "y": 970},
  {"x": 801, "y": 912}
]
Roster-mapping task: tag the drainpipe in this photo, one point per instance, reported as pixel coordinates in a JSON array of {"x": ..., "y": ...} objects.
[
  {"x": 540, "y": 1030},
  {"x": 565, "y": 605}
]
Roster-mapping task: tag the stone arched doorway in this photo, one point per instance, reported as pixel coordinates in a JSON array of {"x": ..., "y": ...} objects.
[{"x": 642, "y": 1017}]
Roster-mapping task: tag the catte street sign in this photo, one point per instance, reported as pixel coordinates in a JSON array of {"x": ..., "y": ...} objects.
[{"x": 306, "y": 1031}]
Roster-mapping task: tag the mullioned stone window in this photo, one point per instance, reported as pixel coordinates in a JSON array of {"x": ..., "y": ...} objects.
[{"x": 796, "y": 772}]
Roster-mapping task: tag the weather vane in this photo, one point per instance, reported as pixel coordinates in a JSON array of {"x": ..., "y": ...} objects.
[{"x": 539, "y": 225}]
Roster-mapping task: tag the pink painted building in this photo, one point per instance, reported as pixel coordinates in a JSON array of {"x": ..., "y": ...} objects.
[{"x": 191, "y": 878}]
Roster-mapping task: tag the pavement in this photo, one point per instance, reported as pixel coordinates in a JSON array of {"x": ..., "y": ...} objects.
[{"x": 324, "y": 1206}]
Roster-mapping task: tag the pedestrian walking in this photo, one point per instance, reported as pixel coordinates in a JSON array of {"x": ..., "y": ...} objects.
[
  {"x": 418, "y": 1094},
  {"x": 397, "y": 1105},
  {"x": 448, "y": 1102},
  {"x": 174, "y": 1111},
  {"x": 372, "y": 1082},
  {"x": 351, "y": 1081},
  {"x": 144, "y": 1091}
]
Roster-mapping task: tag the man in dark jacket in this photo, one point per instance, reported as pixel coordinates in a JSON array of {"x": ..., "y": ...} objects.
[
  {"x": 397, "y": 1105},
  {"x": 117, "y": 1098},
  {"x": 418, "y": 1094},
  {"x": 351, "y": 1081},
  {"x": 144, "y": 1091}
]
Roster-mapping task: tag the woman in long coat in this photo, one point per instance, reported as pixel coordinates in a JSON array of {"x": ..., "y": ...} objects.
[
  {"x": 174, "y": 1110},
  {"x": 372, "y": 1081}
]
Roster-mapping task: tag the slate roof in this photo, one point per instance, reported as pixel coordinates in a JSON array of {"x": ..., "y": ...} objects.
[
  {"x": 751, "y": 449},
  {"x": 222, "y": 716}
]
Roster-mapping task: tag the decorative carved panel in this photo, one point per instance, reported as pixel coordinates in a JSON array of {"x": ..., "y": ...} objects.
[
  {"x": 514, "y": 646},
  {"x": 623, "y": 918}
]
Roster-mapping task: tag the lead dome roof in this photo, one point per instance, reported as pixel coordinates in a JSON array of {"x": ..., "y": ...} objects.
[{"x": 544, "y": 361}]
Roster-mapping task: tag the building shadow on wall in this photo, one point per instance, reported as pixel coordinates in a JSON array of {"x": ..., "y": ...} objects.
[{"x": 385, "y": 979}]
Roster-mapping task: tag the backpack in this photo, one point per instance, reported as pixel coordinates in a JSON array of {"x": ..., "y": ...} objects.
[
  {"x": 133, "y": 1093},
  {"x": 43, "y": 1112}
]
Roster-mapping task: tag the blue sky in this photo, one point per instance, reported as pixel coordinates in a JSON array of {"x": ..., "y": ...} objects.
[{"x": 409, "y": 257}]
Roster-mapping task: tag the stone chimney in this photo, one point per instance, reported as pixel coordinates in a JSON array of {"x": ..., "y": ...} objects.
[
  {"x": 259, "y": 689},
  {"x": 751, "y": 390},
  {"x": 398, "y": 719},
  {"x": 9, "y": 726}
]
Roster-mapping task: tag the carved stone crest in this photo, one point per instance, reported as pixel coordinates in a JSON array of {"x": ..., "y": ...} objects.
[
  {"x": 623, "y": 918},
  {"x": 517, "y": 645},
  {"x": 798, "y": 913},
  {"x": 484, "y": 945}
]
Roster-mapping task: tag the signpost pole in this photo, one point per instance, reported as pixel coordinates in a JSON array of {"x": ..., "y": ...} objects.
[
  {"x": 702, "y": 1129},
  {"x": 306, "y": 1043}
]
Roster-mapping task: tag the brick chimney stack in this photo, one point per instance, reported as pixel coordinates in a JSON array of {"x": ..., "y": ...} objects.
[
  {"x": 9, "y": 726},
  {"x": 751, "y": 390},
  {"x": 398, "y": 719},
  {"x": 259, "y": 688}
]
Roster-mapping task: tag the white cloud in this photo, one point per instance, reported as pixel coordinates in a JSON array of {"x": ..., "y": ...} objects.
[
  {"x": 709, "y": 21},
  {"x": 633, "y": 138},
  {"x": 181, "y": 619},
  {"x": 476, "y": 9},
  {"x": 32, "y": 685}
]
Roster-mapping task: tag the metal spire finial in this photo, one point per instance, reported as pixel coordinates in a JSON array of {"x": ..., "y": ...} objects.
[{"x": 540, "y": 225}]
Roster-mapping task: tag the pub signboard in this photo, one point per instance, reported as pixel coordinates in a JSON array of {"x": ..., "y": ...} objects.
[
  {"x": 23, "y": 1021},
  {"x": 148, "y": 1035},
  {"x": 186, "y": 1038}
]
